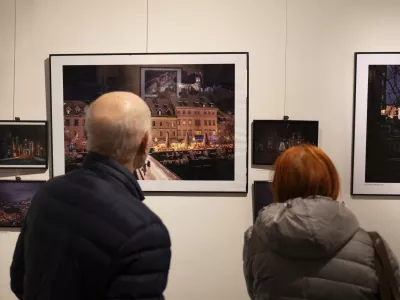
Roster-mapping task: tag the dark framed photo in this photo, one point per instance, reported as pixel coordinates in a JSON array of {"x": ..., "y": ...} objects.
[
  {"x": 199, "y": 110},
  {"x": 15, "y": 200},
  {"x": 23, "y": 145},
  {"x": 262, "y": 196},
  {"x": 156, "y": 81},
  {"x": 272, "y": 137},
  {"x": 376, "y": 125}
]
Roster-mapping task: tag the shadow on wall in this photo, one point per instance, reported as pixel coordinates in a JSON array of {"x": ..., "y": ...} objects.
[
  {"x": 4, "y": 230},
  {"x": 196, "y": 194},
  {"x": 48, "y": 114},
  {"x": 20, "y": 172},
  {"x": 374, "y": 197}
]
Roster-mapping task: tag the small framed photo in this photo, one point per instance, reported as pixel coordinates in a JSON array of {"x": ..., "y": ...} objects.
[
  {"x": 272, "y": 137},
  {"x": 262, "y": 196},
  {"x": 15, "y": 200},
  {"x": 155, "y": 81},
  {"x": 23, "y": 145}
]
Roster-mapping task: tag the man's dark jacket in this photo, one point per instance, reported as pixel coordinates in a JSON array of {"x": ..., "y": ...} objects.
[{"x": 89, "y": 236}]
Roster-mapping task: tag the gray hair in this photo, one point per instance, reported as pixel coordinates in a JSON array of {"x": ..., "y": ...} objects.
[{"x": 121, "y": 138}]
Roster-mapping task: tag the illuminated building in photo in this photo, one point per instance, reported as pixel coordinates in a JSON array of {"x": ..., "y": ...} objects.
[
  {"x": 197, "y": 116},
  {"x": 391, "y": 112},
  {"x": 179, "y": 117},
  {"x": 163, "y": 117},
  {"x": 74, "y": 125}
]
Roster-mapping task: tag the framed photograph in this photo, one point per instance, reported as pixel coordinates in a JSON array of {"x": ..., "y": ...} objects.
[
  {"x": 155, "y": 81},
  {"x": 262, "y": 196},
  {"x": 23, "y": 145},
  {"x": 376, "y": 125},
  {"x": 272, "y": 137},
  {"x": 199, "y": 109},
  {"x": 15, "y": 199}
]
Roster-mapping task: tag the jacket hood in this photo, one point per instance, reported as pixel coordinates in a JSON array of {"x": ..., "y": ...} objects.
[{"x": 306, "y": 228}]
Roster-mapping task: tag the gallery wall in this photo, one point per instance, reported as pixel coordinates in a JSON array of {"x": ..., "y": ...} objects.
[{"x": 301, "y": 65}]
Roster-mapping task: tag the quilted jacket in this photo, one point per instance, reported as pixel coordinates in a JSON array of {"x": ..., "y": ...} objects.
[
  {"x": 88, "y": 236},
  {"x": 310, "y": 249}
]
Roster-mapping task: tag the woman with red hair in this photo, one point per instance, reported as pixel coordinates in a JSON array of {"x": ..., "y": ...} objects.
[{"x": 307, "y": 245}]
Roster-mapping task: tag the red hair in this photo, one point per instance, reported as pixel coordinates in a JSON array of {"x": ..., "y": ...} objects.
[{"x": 304, "y": 171}]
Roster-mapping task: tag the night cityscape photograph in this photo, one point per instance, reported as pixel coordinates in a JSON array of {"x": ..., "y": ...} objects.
[
  {"x": 192, "y": 109},
  {"x": 22, "y": 145},
  {"x": 382, "y": 164},
  {"x": 272, "y": 137},
  {"x": 15, "y": 199}
]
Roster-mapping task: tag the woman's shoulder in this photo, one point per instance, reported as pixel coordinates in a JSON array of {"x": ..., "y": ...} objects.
[
  {"x": 361, "y": 239},
  {"x": 359, "y": 249},
  {"x": 362, "y": 235}
]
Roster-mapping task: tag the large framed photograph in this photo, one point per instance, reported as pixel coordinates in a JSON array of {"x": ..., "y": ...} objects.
[
  {"x": 272, "y": 137},
  {"x": 376, "y": 125},
  {"x": 199, "y": 109},
  {"x": 23, "y": 145},
  {"x": 15, "y": 200}
]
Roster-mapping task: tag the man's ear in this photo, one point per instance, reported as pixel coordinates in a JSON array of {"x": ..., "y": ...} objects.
[{"x": 144, "y": 145}]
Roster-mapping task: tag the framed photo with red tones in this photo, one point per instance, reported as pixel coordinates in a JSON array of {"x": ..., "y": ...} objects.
[{"x": 15, "y": 200}]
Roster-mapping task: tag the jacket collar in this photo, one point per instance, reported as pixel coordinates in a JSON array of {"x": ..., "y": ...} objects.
[{"x": 114, "y": 170}]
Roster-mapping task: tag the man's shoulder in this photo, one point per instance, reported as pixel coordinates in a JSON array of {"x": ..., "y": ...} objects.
[
  {"x": 91, "y": 193},
  {"x": 80, "y": 181}
]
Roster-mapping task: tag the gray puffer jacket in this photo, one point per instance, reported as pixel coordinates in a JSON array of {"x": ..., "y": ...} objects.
[{"x": 310, "y": 249}]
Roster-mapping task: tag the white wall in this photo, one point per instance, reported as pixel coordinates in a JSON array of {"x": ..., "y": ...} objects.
[
  {"x": 207, "y": 232},
  {"x": 322, "y": 39}
]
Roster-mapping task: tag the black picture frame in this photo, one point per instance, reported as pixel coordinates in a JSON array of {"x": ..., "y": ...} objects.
[
  {"x": 382, "y": 178},
  {"x": 54, "y": 63},
  {"x": 264, "y": 147},
  {"x": 20, "y": 208},
  {"x": 262, "y": 196},
  {"x": 45, "y": 145}
]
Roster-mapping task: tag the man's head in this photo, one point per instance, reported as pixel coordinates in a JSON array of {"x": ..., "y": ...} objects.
[{"x": 118, "y": 125}]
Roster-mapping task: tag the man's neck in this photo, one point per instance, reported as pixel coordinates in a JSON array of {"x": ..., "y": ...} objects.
[{"x": 129, "y": 167}]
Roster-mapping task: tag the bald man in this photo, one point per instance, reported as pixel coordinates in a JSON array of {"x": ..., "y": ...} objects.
[{"x": 87, "y": 234}]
